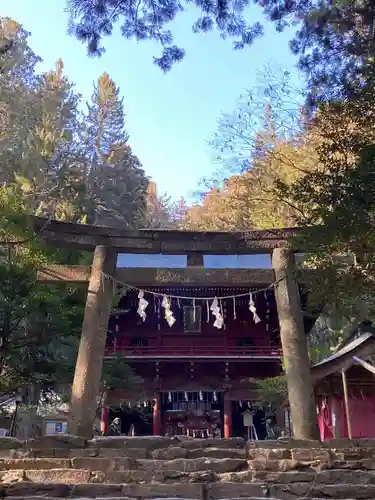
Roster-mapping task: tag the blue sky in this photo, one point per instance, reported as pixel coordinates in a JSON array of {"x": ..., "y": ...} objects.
[{"x": 170, "y": 116}]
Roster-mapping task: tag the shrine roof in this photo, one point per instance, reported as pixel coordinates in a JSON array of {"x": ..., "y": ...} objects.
[{"x": 343, "y": 358}]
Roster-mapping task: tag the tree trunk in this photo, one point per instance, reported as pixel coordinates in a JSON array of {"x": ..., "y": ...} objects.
[
  {"x": 294, "y": 344},
  {"x": 88, "y": 372}
]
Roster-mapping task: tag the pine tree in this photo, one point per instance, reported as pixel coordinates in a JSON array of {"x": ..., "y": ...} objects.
[
  {"x": 335, "y": 40},
  {"x": 116, "y": 182},
  {"x": 54, "y": 160},
  {"x": 18, "y": 102}
]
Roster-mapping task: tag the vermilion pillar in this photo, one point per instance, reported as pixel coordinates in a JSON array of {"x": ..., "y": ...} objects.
[
  {"x": 104, "y": 421},
  {"x": 227, "y": 418},
  {"x": 156, "y": 416}
]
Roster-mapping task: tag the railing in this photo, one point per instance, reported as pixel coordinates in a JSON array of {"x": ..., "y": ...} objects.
[{"x": 194, "y": 351}]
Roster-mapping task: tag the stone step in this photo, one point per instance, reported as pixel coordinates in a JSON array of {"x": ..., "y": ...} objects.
[
  {"x": 136, "y": 453},
  {"x": 218, "y": 465},
  {"x": 160, "y": 477},
  {"x": 157, "y": 442},
  {"x": 309, "y": 454},
  {"x": 263, "y": 467},
  {"x": 186, "y": 491},
  {"x": 269, "y": 465},
  {"x": 224, "y": 491},
  {"x": 56, "y": 490},
  {"x": 159, "y": 498}
]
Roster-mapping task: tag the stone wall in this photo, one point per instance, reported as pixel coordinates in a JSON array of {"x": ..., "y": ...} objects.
[{"x": 186, "y": 468}]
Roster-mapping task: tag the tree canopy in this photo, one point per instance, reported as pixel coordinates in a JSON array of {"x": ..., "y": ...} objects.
[
  {"x": 334, "y": 41},
  {"x": 65, "y": 164}
]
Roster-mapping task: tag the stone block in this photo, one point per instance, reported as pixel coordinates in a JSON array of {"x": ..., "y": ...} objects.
[
  {"x": 103, "y": 464},
  {"x": 47, "y": 453},
  {"x": 146, "y": 442},
  {"x": 194, "y": 465},
  {"x": 269, "y": 453},
  {"x": 340, "y": 476},
  {"x": 27, "y": 489},
  {"x": 217, "y": 453},
  {"x": 297, "y": 476},
  {"x": 343, "y": 491},
  {"x": 245, "y": 476},
  {"x": 60, "y": 441},
  {"x": 64, "y": 476},
  {"x": 82, "y": 452},
  {"x": 286, "y": 443},
  {"x": 19, "y": 453},
  {"x": 289, "y": 491},
  {"x": 169, "y": 453},
  {"x": 135, "y": 453},
  {"x": 364, "y": 464},
  {"x": 352, "y": 453},
  {"x": 10, "y": 443},
  {"x": 273, "y": 465},
  {"x": 96, "y": 490},
  {"x": 193, "y": 491},
  {"x": 366, "y": 443},
  {"x": 34, "y": 463},
  {"x": 133, "y": 476},
  {"x": 339, "y": 443},
  {"x": 311, "y": 454},
  {"x": 217, "y": 491},
  {"x": 11, "y": 475},
  {"x": 230, "y": 443}
]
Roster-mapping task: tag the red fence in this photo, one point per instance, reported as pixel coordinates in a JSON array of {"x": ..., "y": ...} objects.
[{"x": 178, "y": 351}]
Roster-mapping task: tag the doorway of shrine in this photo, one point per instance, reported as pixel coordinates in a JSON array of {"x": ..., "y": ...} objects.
[
  {"x": 138, "y": 419},
  {"x": 192, "y": 413},
  {"x": 239, "y": 409}
]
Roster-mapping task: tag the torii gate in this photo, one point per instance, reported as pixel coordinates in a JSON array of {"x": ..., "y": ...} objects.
[{"x": 107, "y": 243}]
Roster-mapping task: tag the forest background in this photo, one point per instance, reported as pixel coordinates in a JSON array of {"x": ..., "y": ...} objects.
[{"x": 280, "y": 163}]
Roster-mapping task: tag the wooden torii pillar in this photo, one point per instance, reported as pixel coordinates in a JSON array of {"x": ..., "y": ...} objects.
[
  {"x": 88, "y": 372},
  {"x": 294, "y": 345}
]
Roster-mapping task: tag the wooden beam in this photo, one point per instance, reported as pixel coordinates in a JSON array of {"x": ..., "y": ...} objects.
[
  {"x": 364, "y": 364},
  {"x": 149, "y": 276},
  {"x": 346, "y": 402},
  {"x": 87, "y": 237},
  {"x": 195, "y": 259}
]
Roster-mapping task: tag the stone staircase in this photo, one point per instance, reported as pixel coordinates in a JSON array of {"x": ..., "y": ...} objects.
[{"x": 191, "y": 469}]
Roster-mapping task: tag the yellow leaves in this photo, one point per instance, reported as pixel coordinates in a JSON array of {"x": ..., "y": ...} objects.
[{"x": 253, "y": 199}]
